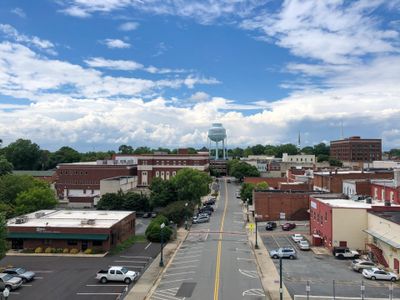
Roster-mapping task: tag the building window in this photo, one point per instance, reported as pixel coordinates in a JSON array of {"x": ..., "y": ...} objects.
[
  {"x": 157, "y": 174},
  {"x": 72, "y": 243},
  {"x": 162, "y": 174},
  {"x": 375, "y": 193},
  {"x": 173, "y": 173},
  {"x": 391, "y": 196},
  {"x": 97, "y": 243},
  {"x": 174, "y": 162}
]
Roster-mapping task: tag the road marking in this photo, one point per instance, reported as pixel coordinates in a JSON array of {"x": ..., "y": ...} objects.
[
  {"x": 148, "y": 245},
  {"x": 185, "y": 267},
  {"x": 130, "y": 266},
  {"x": 207, "y": 235},
  {"x": 238, "y": 213},
  {"x": 26, "y": 284},
  {"x": 131, "y": 261},
  {"x": 98, "y": 294},
  {"x": 106, "y": 285},
  {"x": 219, "y": 251},
  {"x": 239, "y": 222},
  {"x": 188, "y": 256},
  {"x": 181, "y": 273},
  {"x": 170, "y": 281},
  {"x": 166, "y": 294},
  {"x": 254, "y": 292},
  {"x": 331, "y": 297},
  {"x": 38, "y": 277},
  {"x": 43, "y": 271},
  {"x": 190, "y": 252},
  {"x": 249, "y": 273},
  {"x": 242, "y": 250},
  {"x": 248, "y": 259},
  {"x": 128, "y": 256},
  {"x": 184, "y": 262}
]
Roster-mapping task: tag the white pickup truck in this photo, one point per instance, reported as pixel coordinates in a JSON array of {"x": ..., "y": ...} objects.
[{"x": 116, "y": 273}]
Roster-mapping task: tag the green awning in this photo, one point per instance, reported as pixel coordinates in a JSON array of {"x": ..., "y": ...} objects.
[{"x": 57, "y": 236}]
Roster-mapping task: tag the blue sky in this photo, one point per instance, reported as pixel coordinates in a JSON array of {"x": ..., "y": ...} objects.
[{"x": 97, "y": 74}]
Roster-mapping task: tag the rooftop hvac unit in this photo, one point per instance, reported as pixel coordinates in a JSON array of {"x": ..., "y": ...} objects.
[
  {"x": 84, "y": 222},
  {"x": 91, "y": 221},
  {"x": 21, "y": 220},
  {"x": 39, "y": 214}
]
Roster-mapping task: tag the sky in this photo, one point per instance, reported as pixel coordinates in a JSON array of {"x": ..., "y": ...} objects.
[{"x": 95, "y": 74}]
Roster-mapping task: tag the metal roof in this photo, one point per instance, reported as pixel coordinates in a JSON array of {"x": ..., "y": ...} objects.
[{"x": 383, "y": 238}]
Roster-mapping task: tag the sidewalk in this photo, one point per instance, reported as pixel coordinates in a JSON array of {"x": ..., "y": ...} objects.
[
  {"x": 150, "y": 278},
  {"x": 268, "y": 273}
]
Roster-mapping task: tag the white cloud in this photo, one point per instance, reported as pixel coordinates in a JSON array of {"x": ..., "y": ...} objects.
[
  {"x": 19, "y": 12},
  {"x": 126, "y": 65},
  {"x": 200, "y": 97},
  {"x": 116, "y": 43},
  {"x": 128, "y": 26},
  {"x": 13, "y": 34}
]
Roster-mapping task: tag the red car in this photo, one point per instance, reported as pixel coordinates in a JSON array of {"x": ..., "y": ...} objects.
[{"x": 288, "y": 226}]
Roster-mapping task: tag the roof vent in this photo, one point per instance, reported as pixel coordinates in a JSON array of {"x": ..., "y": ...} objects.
[
  {"x": 91, "y": 221},
  {"x": 39, "y": 214},
  {"x": 21, "y": 220}
]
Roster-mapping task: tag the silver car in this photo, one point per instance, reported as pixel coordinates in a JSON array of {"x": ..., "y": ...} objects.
[
  {"x": 379, "y": 274},
  {"x": 304, "y": 245},
  {"x": 9, "y": 282},
  {"x": 284, "y": 253},
  {"x": 21, "y": 273},
  {"x": 359, "y": 265},
  {"x": 202, "y": 218}
]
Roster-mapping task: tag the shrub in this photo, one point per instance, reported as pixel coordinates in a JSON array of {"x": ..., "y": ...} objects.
[
  {"x": 28, "y": 250},
  {"x": 48, "y": 250},
  {"x": 154, "y": 229},
  {"x": 59, "y": 250},
  {"x": 39, "y": 250},
  {"x": 65, "y": 251},
  {"x": 74, "y": 251},
  {"x": 88, "y": 251}
]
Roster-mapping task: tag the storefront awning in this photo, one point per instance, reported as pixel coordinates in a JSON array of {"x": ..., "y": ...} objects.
[
  {"x": 57, "y": 236},
  {"x": 383, "y": 238}
]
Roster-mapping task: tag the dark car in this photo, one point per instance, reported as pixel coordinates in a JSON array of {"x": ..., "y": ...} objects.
[
  {"x": 288, "y": 226},
  {"x": 209, "y": 207},
  {"x": 205, "y": 210},
  {"x": 210, "y": 201},
  {"x": 21, "y": 273},
  {"x": 270, "y": 226}
]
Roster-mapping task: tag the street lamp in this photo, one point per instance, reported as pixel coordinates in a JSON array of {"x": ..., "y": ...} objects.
[
  {"x": 186, "y": 221},
  {"x": 162, "y": 246},
  {"x": 6, "y": 293},
  {"x": 280, "y": 278},
  {"x": 255, "y": 220}
]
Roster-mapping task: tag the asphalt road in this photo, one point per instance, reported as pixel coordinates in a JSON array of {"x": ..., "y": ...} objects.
[
  {"x": 320, "y": 271},
  {"x": 215, "y": 261},
  {"x": 65, "y": 278}
]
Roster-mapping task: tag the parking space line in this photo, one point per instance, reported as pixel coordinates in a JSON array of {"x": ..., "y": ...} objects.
[
  {"x": 106, "y": 285},
  {"x": 185, "y": 267},
  {"x": 188, "y": 256},
  {"x": 176, "y": 274},
  {"x": 26, "y": 285},
  {"x": 248, "y": 259},
  {"x": 131, "y": 261},
  {"x": 129, "y": 256},
  {"x": 148, "y": 245},
  {"x": 242, "y": 250},
  {"x": 38, "y": 277},
  {"x": 184, "y": 262},
  {"x": 44, "y": 271},
  {"x": 131, "y": 266},
  {"x": 177, "y": 280},
  {"x": 98, "y": 294}
]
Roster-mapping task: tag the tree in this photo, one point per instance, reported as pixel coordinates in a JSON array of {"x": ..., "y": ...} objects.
[
  {"x": 270, "y": 150},
  {"x": 125, "y": 149},
  {"x": 12, "y": 185},
  {"x": 3, "y": 235},
  {"x": 236, "y": 152},
  {"x": 162, "y": 192},
  {"x": 178, "y": 212},
  {"x": 322, "y": 157},
  {"x": 5, "y": 166},
  {"x": 335, "y": 162},
  {"x": 153, "y": 231},
  {"x": 246, "y": 192},
  {"x": 307, "y": 150},
  {"x": 143, "y": 150},
  {"x": 34, "y": 199},
  {"x": 136, "y": 202},
  {"x": 64, "y": 155},
  {"x": 286, "y": 148},
  {"x": 191, "y": 185},
  {"x": 321, "y": 148},
  {"x": 258, "y": 149},
  {"x": 111, "y": 201},
  {"x": 262, "y": 186},
  {"x": 24, "y": 155},
  {"x": 240, "y": 169}
]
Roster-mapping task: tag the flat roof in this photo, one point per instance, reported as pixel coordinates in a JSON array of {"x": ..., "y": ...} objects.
[
  {"x": 118, "y": 178},
  {"x": 340, "y": 172},
  {"x": 71, "y": 218},
  {"x": 393, "y": 216},
  {"x": 347, "y": 203},
  {"x": 35, "y": 173},
  {"x": 382, "y": 182}
]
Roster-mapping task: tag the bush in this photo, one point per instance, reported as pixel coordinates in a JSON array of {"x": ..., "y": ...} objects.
[
  {"x": 28, "y": 250},
  {"x": 88, "y": 251},
  {"x": 154, "y": 229},
  {"x": 39, "y": 250},
  {"x": 59, "y": 250},
  {"x": 65, "y": 250},
  {"x": 74, "y": 251},
  {"x": 48, "y": 250}
]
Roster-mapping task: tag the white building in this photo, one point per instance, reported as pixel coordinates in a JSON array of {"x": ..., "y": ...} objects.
[{"x": 299, "y": 158}]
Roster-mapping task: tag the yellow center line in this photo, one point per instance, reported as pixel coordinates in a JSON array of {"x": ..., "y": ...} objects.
[{"x": 219, "y": 249}]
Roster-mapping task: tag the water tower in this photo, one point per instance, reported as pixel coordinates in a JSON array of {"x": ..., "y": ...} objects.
[{"x": 216, "y": 134}]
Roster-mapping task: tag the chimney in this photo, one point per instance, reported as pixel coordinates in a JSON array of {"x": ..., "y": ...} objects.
[{"x": 396, "y": 176}]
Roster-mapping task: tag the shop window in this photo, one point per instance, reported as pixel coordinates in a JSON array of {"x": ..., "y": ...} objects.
[
  {"x": 97, "y": 243},
  {"x": 72, "y": 243}
]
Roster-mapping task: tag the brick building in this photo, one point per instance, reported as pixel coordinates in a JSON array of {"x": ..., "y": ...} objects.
[
  {"x": 387, "y": 190},
  {"x": 78, "y": 184},
  {"x": 357, "y": 187},
  {"x": 355, "y": 149},
  {"x": 332, "y": 181},
  {"x": 273, "y": 182},
  {"x": 79, "y": 229}
]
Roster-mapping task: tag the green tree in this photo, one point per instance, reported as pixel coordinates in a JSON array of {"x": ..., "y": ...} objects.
[
  {"x": 162, "y": 193},
  {"x": 178, "y": 212},
  {"x": 64, "y": 155},
  {"x": 236, "y": 152},
  {"x": 125, "y": 149},
  {"x": 321, "y": 148},
  {"x": 191, "y": 185},
  {"x": 270, "y": 150},
  {"x": 240, "y": 169},
  {"x": 307, "y": 150},
  {"x": 12, "y": 185},
  {"x": 322, "y": 157},
  {"x": 136, "y": 202},
  {"x": 5, "y": 166},
  {"x": 92, "y": 156},
  {"x": 246, "y": 192},
  {"x": 34, "y": 199},
  {"x": 143, "y": 150},
  {"x": 335, "y": 162},
  {"x": 286, "y": 148},
  {"x": 24, "y": 155},
  {"x": 3, "y": 235},
  {"x": 258, "y": 149},
  {"x": 153, "y": 231},
  {"x": 262, "y": 186},
  {"x": 111, "y": 201}
]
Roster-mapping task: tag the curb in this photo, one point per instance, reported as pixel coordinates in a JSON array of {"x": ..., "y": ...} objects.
[{"x": 56, "y": 255}]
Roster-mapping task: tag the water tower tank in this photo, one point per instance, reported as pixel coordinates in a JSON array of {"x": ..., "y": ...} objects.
[{"x": 217, "y": 133}]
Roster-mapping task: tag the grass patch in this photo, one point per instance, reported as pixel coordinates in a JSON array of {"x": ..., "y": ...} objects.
[{"x": 128, "y": 243}]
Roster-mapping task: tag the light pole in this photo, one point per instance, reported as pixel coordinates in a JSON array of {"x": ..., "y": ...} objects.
[
  {"x": 186, "y": 221},
  {"x": 162, "y": 246},
  {"x": 255, "y": 220},
  {"x": 247, "y": 206},
  {"x": 280, "y": 278}
]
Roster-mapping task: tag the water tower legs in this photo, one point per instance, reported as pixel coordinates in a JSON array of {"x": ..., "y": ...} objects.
[
  {"x": 216, "y": 151},
  {"x": 223, "y": 149}
]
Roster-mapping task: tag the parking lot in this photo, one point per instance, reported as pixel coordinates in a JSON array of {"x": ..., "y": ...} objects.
[
  {"x": 74, "y": 277},
  {"x": 321, "y": 271}
]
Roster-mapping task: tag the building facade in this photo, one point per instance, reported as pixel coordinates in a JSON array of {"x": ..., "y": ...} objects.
[
  {"x": 78, "y": 229},
  {"x": 356, "y": 149},
  {"x": 298, "y": 158}
]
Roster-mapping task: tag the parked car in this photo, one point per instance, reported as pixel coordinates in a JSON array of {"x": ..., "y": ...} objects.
[
  {"x": 238, "y": 194},
  {"x": 288, "y": 226},
  {"x": 201, "y": 218},
  {"x": 210, "y": 201},
  {"x": 359, "y": 265},
  {"x": 284, "y": 253},
  {"x": 297, "y": 237},
  {"x": 228, "y": 181},
  {"x": 379, "y": 274},
  {"x": 270, "y": 225},
  {"x": 21, "y": 273},
  {"x": 153, "y": 214},
  {"x": 208, "y": 207},
  {"x": 9, "y": 282},
  {"x": 116, "y": 273},
  {"x": 304, "y": 245},
  {"x": 205, "y": 210},
  {"x": 344, "y": 252},
  {"x": 146, "y": 215}
]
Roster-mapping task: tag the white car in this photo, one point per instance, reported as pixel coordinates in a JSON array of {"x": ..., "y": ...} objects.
[
  {"x": 304, "y": 245},
  {"x": 297, "y": 237},
  {"x": 379, "y": 274},
  {"x": 117, "y": 273}
]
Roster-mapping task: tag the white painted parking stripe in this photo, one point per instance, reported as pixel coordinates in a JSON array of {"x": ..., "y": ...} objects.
[
  {"x": 43, "y": 271},
  {"x": 248, "y": 259},
  {"x": 242, "y": 250},
  {"x": 184, "y": 262},
  {"x": 14, "y": 293},
  {"x": 254, "y": 292},
  {"x": 177, "y": 280},
  {"x": 98, "y": 294},
  {"x": 38, "y": 277},
  {"x": 129, "y": 256},
  {"x": 185, "y": 267},
  {"x": 178, "y": 274},
  {"x": 187, "y": 256},
  {"x": 249, "y": 273},
  {"x": 148, "y": 245},
  {"x": 106, "y": 285},
  {"x": 130, "y": 266},
  {"x": 131, "y": 261},
  {"x": 238, "y": 222}
]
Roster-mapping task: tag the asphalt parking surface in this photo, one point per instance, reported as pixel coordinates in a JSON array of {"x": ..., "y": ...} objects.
[
  {"x": 321, "y": 270},
  {"x": 65, "y": 278}
]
